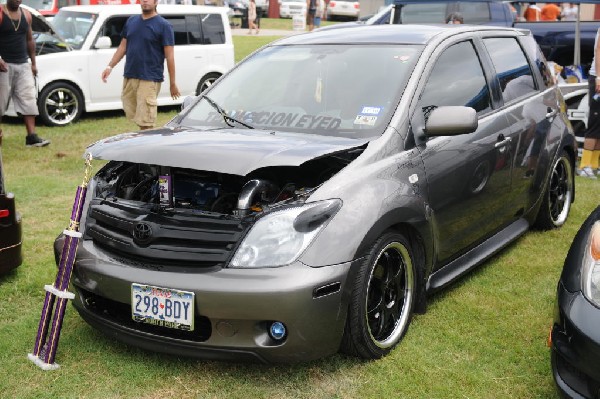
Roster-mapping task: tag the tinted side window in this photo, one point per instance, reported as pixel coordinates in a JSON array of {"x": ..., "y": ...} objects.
[
  {"x": 424, "y": 13},
  {"x": 113, "y": 28},
  {"x": 194, "y": 31},
  {"x": 456, "y": 79},
  {"x": 475, "y": 13},
  {"x": 179, "y": 29},
  {"x": 514, "y": 72},
  {"x": 213, "y": 30}
]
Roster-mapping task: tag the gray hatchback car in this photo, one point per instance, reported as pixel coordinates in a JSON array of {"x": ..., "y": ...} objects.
[{"x": 312, "y": 198}]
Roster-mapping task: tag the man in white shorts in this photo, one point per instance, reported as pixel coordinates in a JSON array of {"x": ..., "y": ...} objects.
[{"x": 17, "y": 82}]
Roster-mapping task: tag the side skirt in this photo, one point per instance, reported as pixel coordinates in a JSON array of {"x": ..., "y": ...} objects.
[{"x": 476, "y": 256}]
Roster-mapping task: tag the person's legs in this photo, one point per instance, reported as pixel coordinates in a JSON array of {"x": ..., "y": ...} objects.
[
  {"x": 147, "y": 106},
  {"x": 129, "y": 97},
  {"x": 4, "y": 94},
  {"x": 25, "y": 102}
]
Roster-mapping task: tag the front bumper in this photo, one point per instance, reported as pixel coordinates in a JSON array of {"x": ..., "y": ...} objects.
[
  {"x": 576, "y": 346},
  {"x": 233, "y": 307}
]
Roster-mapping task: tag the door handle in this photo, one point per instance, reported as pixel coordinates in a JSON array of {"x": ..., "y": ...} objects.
[{"x": 502, "y": 141}]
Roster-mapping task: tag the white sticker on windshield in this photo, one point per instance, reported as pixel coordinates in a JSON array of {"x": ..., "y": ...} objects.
[
  {"x": 365, "y": 120},
  {"x": 403, "y": 58}
]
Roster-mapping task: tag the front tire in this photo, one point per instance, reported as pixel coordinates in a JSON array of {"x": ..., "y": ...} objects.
[
  {"x": 60, "y": 103},
  {"x": 558, "y": 196},
  {"x": 383, "y": 298}
]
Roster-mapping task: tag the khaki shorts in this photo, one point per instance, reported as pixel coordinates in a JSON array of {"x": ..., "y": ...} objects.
[
  {"x": 139, "y": 101},
  {"x": 18, "y": 85}
]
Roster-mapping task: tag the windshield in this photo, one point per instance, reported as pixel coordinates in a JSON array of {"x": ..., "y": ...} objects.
[
  {"x": 335, "y": 90},
  {"x": 73, "y": 26}
]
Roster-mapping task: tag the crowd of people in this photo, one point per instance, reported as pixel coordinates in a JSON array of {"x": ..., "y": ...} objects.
[{"x": 548, "y": 12}]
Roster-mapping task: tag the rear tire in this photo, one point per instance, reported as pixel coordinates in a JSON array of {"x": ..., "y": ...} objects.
[
  {"x": 382, "y": 300},
  {"x": 206, "y": 82},
  {"x": 558, "y": 196}
]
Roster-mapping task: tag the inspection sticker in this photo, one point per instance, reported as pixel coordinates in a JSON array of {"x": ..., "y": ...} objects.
[{"x": 365, "y": 120}]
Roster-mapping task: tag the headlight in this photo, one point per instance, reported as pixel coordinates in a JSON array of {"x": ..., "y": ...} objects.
[
  {"x": 279, "y": 238},
  {"x": 591, "y": 266}
]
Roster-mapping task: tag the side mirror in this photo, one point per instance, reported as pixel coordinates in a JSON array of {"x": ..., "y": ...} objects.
[
  {"x": 451, "y": 121},
  {"x": 103, "y": 42}
]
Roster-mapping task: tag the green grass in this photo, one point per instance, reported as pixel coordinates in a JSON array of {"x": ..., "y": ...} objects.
[{"x": 484, "y": 337}]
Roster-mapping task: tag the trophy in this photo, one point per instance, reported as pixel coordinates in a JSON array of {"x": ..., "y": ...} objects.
[{"x": 57, "y": 295}]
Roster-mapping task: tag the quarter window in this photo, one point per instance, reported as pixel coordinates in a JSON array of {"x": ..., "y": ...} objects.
[
  {"x": 456, "y": 79},
  {"x": 512, "y": 68}
]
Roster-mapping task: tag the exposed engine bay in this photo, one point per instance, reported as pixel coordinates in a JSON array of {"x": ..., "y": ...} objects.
[{"x": 213, "y": 192}]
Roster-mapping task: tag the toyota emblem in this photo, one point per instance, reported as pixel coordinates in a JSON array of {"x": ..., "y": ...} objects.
[{"x": 142, "y": 233}]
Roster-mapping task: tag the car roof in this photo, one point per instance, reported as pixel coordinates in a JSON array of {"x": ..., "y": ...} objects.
[
  {"x": 387, "y": 34},
  {"x": 126, "y": 9}
]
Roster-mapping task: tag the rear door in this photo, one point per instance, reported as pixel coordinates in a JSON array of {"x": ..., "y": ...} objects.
[
  {"x": 469, "y": 176},
  {"x": 531, "y": 111}
]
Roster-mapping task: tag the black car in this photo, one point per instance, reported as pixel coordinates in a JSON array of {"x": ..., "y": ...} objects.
[
  {"x": 313, "y": 196},
  {"x": 10, "y": 227},
  {"x": 575, "y": 336}
]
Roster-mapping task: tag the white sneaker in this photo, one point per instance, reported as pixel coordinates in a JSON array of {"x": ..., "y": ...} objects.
[{"x": 586, "y": 172}]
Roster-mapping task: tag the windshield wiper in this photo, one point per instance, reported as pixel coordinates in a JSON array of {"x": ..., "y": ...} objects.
[{"x": 227, "y": 118}]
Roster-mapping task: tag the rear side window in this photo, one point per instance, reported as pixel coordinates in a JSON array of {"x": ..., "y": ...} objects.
[
  {"x": 456, "y": 79},
  {"x": 198, "y": 29},
  {"x": 424, "y": 13},
  {"x": 512, "y": 67},
  {"x": 213, "y": 30},
  {"x": 179, "y": 29},
  {"x": 475, "y": 13}
]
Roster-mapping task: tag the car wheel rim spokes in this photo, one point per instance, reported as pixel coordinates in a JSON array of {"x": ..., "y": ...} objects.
[
  {"x": 207, "y": 84},
  {"x": 61, "y": 106},
  {"x": 389, "y": 295},
  {"x": 560, "y": 192}
]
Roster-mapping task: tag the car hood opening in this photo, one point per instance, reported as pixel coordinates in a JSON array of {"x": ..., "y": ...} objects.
[{"x": 231, "y": 151}]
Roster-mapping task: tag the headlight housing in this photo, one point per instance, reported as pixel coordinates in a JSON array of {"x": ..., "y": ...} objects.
[
  {"x": 280, "y": 237},
  {"x": 590, "y": 275}
]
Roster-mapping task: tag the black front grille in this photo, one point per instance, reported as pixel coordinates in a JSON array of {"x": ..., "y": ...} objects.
[
  {"x": 120, "y": 313},
  {"x": 137, "y": 234}
]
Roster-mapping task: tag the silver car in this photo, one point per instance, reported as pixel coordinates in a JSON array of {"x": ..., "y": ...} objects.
[{"x": 314, "y": 196}]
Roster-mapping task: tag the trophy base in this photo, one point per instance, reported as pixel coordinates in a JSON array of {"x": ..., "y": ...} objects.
[{"x": 40, "y": 363}]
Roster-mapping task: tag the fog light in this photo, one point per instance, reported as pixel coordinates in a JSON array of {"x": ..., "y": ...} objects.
[{"x": 277, "y": 330}]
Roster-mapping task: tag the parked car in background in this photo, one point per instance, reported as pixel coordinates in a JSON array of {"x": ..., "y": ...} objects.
[
  {"x": 49, "y": 8},
  {"x": 555, "y": 38},
  {"x": 342, "y": 175},
  {"x": 575, "y": 334},
  {"x": 70, "y": 62},
  {"x": 343, "y": 9},
  {"x": 10, "y": 226},
  {"x": 240, "y": 7},
  {"x": 289, "y": 8}
]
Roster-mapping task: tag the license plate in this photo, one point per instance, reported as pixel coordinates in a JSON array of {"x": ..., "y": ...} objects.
[{"x": 163, "y": 307}]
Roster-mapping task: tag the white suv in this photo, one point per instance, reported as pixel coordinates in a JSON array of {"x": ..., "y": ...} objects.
[{"x": 70, "y": 66}]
